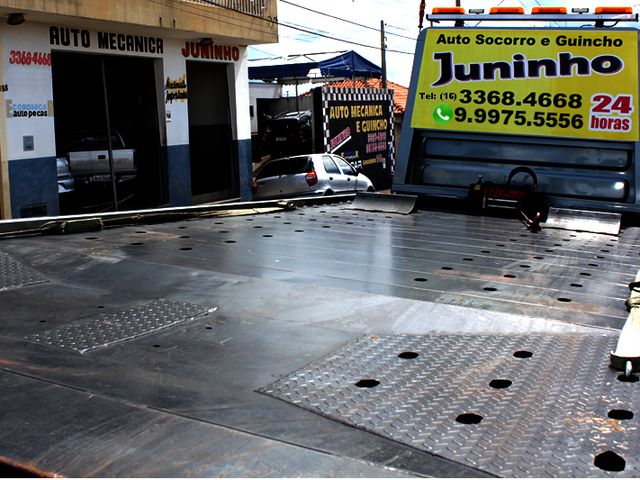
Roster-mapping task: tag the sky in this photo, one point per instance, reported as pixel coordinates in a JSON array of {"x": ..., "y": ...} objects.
[{"x": 401, "y": 27}]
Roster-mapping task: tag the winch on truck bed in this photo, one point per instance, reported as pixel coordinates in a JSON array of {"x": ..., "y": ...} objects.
[
  {"x": 559, "y": 101},
  {"x": 530, "y": 203}
]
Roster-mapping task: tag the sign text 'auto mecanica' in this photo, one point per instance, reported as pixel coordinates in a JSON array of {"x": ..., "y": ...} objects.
[{"x": 74, "y": 37}]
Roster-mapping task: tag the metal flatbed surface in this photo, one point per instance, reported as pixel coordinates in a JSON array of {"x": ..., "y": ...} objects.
[{"x": 145, "y": 350}]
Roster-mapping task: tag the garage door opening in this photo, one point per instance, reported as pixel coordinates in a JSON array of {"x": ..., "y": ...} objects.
[
  {"x": 80, "y": 124},
  {"x": 213, "y": 171}
]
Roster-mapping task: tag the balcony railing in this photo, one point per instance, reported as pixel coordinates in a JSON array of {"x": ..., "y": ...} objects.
[{"x": 252, "y": 7}]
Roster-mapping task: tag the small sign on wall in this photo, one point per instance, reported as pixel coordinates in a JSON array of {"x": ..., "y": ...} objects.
[{"x": 28, "y": 144}]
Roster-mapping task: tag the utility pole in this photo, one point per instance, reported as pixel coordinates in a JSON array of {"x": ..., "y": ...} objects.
[
  {"x": 383, "y": 49},
  {"x": 459, "y": 23}
]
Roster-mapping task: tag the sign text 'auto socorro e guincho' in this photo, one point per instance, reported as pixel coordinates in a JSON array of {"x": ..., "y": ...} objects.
[{"x": 581, "y": 84}]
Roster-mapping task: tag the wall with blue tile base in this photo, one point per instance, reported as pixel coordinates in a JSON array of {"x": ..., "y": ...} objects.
[
  {"x": 34, "y": 185},
  {"x": 178, "y": 170},
  {"x": 245, "y": 168}
]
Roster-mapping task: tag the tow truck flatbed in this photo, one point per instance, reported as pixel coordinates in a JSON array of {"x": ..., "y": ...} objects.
[{"x": 189, "y": 348}]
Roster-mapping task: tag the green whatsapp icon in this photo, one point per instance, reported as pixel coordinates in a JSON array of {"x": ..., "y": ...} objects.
[{"x": 443, "y": 113}]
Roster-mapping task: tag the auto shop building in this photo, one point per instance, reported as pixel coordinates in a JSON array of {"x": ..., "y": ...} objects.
[{"x": 170, "y": 76}]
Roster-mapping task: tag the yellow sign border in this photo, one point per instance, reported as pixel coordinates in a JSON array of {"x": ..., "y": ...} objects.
[{"x": 544, "y": 82}]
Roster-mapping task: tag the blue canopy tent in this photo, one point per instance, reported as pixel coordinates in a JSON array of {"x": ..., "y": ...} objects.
[{"x": 347, "y": 64}]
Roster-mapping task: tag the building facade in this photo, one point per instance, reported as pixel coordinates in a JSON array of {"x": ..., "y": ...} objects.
[{"x": 169, "y": 76}]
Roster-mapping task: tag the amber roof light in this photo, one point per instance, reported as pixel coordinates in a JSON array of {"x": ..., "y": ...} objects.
[
  {"x": 510, "y": 10},
  {"x": 449, "y": 10},
  {"x": 547, "y": 10},
  {"x": 603, "y": 10}
]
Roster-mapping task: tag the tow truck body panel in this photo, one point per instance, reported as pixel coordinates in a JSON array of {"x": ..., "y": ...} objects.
[
  {"x": 313, "y": 338},
  {"x": 484, "y": 100}
]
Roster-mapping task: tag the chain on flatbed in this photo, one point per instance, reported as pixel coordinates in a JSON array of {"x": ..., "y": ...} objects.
[{"x": 510, "y": 405}]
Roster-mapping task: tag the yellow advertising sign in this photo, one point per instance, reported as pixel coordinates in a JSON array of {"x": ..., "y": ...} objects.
[{"x": 563, "y": 83}]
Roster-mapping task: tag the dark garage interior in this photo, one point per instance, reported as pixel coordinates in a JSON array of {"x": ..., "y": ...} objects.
[
  {"x": 213, "y": 175},
  {"x": 79, "y": 102}
]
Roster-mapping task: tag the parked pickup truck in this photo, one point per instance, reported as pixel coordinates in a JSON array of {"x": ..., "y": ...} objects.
[{"x": 89, "y": 157}]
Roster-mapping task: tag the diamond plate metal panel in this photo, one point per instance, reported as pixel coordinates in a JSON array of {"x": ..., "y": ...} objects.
[
  {"x": 114, "y": 328},
  {"x": 514, "y": 406},
  {"x": 13, "y": 274}
]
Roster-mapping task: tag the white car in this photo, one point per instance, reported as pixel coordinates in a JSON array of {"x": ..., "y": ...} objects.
[{"x": 314, "y": 174}]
